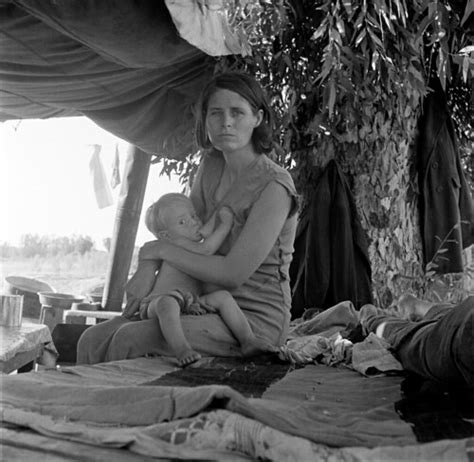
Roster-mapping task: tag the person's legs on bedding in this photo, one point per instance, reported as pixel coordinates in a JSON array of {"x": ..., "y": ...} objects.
[{"x": 438, "y": 347}]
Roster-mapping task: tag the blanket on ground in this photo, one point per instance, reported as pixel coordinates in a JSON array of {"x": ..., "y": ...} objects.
[
  {"x": 315, "y": 412},
  {"x": 224, "y": 407}
]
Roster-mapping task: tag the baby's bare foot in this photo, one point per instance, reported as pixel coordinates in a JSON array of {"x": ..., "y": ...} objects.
[
  {"x": 187, "y": 357},
  {"x": 255, "y": 346},
  {"x": 413, "y": 308}
]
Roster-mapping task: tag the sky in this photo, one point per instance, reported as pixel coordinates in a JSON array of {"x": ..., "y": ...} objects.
[{"x": 46, "y": 186}]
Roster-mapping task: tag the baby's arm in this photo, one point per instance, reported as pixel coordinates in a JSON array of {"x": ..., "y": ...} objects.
[
  {"x": 213, "y": 241},
  {"x": 208, "y": 228}
]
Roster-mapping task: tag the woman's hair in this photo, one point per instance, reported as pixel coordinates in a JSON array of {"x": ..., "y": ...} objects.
[
  {"x": 247, "y": 87},
  {"x": 154, "y": 219}
]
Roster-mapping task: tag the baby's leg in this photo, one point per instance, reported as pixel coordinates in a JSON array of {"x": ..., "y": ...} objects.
[
  {"x": 232, "y": 315},
  {"x": 167, "y": 310}
]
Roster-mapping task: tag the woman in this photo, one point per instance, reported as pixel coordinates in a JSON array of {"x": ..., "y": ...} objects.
[{"x": 234, "y": 123}]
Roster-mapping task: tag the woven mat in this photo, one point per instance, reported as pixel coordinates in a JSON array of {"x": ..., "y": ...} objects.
[{"x": 249, "y": 377}]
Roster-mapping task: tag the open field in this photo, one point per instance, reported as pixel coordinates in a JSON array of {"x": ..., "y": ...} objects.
[{"x": 73, "y": 273}]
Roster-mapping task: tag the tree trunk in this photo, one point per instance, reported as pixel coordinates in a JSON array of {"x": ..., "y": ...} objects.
[{"x": 387, "y": 200}]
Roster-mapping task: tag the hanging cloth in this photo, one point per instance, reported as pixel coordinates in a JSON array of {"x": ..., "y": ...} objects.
[
  {"x": 330, "y": 262},
  {"x": 115, "y": 178},
  {"x": 447, "y": 214},
  {"x": 102, "y": 191}
]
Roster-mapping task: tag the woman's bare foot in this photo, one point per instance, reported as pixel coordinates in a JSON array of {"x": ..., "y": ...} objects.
[
  {"x": 187, "y": 357},
  {"x": 255, "y": 346},
  {"x": 413, "y": 308}
]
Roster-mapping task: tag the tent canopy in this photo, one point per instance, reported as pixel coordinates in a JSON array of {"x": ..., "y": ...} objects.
[
  {"x": 123, "y": 64},
  {"x": 120, "y": 63}
]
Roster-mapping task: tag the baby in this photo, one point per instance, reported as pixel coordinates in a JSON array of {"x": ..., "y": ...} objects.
[{"x": 173, "y": 217}]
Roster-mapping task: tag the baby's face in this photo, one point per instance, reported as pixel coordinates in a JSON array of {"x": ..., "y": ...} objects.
[{"x": 182, "y": 219}]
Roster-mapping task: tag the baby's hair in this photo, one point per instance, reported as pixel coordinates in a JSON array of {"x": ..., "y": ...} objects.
[{"x": 154, "y": 220}]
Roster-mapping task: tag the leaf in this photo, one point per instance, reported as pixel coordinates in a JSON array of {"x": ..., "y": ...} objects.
[
  {"x": 348, "y": 6},
  {"x": 340, "y": 26},
  {"x": 320, "y": 31},
  {"x": 388, "y": 22},
  {"x": 374, "y": 37},
  {"x": 360, "y": 37},
  {"x": 332, "y": 97},
  {"x": 469, "y": 10},
  {"x": 326, "y": 70},
  {"x": 359, "y": 21},
  {"x": 466, "y": 50},
  {"x": 441, "y": 67},
  {"x": 427, "y": 20},
  {"x": 313, "y": 126}
]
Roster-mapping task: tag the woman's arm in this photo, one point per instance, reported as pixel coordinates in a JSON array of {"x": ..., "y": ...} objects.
[{"x": 259, "y": 234}]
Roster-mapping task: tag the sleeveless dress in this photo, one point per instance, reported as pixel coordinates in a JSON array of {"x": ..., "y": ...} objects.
[{"x": 264, "y": 298}]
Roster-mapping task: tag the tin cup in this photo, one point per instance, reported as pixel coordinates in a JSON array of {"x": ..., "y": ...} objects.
[{"x": 11, "y": 310}]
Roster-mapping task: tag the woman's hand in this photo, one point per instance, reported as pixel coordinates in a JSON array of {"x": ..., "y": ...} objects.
[
  {"x": 153, "y": 250},
  {"x": 139, "y": 285},
  {"x": 164, "y": 235}
]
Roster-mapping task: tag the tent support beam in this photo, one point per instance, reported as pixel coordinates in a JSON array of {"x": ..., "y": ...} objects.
[{"x": 127, "y": 217}]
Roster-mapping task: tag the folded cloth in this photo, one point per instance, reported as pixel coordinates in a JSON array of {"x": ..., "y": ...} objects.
[
  {"x": 338, "y": 318},
  {"x": 306, "y": 349},
  {"x": 373, "y": 356}
]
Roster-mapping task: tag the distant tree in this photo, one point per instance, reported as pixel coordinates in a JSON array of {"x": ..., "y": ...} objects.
[
  {"x": 62, "y": 245},
  {"x": 35, "y": 245},
  {"x": 31, "y": 245},
  {"x": 83, "y": 244},
  {"x": 107, "y": 242},
  {"x": 7, "y": 250}
]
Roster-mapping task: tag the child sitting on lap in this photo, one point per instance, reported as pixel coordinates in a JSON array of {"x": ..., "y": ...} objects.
[{"x": 173, "y": 217}]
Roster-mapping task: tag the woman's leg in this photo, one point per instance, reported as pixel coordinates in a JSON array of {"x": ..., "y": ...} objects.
[
  {"x": 207, "y": 334},
  {"x": 238, "y": 324},
  {"x": 120, "y": 338},
  {"x": 93, "y": 344}
]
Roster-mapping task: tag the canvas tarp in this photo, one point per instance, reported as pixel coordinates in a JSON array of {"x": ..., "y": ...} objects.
[{"x": 120, "y": 63}]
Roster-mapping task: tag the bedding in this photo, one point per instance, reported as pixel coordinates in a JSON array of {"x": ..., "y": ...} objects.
[{"x": 272, "y": 408}]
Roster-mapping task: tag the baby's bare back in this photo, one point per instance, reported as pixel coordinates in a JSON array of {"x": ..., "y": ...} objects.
[{"x": 169, "y": 278}]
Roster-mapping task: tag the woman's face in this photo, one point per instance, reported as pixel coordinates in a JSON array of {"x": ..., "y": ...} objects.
[{"x": 230, "y": 121}]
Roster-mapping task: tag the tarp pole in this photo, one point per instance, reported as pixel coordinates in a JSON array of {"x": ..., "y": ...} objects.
[{"x": 127, "y": 217}]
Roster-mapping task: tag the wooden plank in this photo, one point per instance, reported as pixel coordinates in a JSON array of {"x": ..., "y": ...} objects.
[
  {"x": 24, "y": 445},
  {"x": 127, "y": 217},
  {"x": 71, "y": 315}
]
